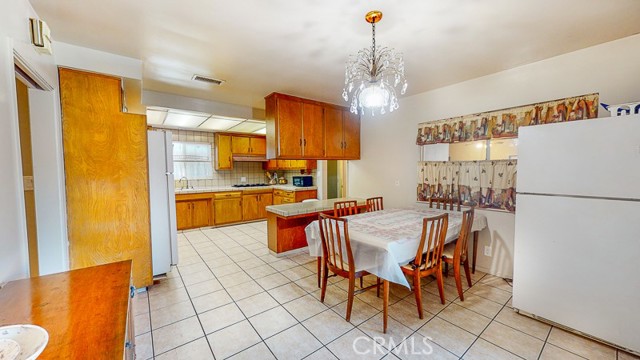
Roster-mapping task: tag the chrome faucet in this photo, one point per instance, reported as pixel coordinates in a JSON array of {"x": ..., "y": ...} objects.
[{"x": 185, "y": 187}]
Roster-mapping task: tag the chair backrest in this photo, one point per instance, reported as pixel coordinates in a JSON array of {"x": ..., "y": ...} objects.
[
  {"x": 336, "y": 247},
  {"x": 434, "y": 233},
  {"x": 443, "y": 202},
  {"x": 345, "y": 208},
  {"x": 463, "y": 239},
  {"x": 374, "y": 204}
]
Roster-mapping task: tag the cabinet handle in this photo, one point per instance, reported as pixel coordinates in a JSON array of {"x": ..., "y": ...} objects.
[
  {"x": 305, "y": 142},
  {"x": 300, "y": 142},
  {"x": 132, "y": 291},
  {"x": 345, "y": 144}
]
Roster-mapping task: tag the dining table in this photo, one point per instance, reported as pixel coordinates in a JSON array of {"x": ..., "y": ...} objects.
[{"x": 382, "y": 241}]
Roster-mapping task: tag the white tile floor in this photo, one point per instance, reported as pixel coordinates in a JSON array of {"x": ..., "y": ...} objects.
[{"x": 229, "y": 298}]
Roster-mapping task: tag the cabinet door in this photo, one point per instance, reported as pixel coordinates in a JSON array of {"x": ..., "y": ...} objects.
[
  {"x": 270, "y": 165},
  {"x": 250, "y": 207},
  {"x": 223, "y": 152},
  {"x": 312, "y": 130},
  {"x": 241, "y": 145},
  {"x": 201, "y": 213},
  {"x": 289, "y": 127},
  {"x": 227, "y": 210},
  {"x": 351, "y": 135},
  {"x": 307, "y": 194},
  {"x": 264, "y": 200},
  {"x": 183, "y": 214},
  {"x": 334, "y": 142},
  {"x": 277, "y": 199},
  {"x": 258, "y": 146}
]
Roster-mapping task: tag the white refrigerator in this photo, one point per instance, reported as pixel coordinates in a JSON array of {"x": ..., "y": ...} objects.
[
  {"x": 577, "y": 236},
  {"x": 162, "y": 202}
]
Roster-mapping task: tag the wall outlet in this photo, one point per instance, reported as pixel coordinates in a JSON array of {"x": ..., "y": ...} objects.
[
  {"x": 487, "y": 251},
  {"x": 397, "y": 182},
  {"x": 243, "y": 179}
]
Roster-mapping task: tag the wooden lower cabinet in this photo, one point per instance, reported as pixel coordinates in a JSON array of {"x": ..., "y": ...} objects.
[
  {"x": 290, "y": 196},
  {"x": 254, "y": 205},
  {"x": 227, "y": 207},
  {"x": 193, "y": 210}
]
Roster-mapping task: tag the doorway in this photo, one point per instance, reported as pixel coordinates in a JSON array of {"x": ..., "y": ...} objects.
[
  {"x": 24, "y": 125},
  {"x": 336, "y": 179}
]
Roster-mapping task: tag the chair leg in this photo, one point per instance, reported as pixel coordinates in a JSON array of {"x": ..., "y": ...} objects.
[
  {"x": 467, "y": 271},
  {"x": 319, "y": 269},
  {"x": 377, "y": 286},
  {"x": 361, "y": 282},
  {"x": 456, "y": 275},
  {"x": 417, "y": 292},
  {"x": 446, "y": 269},
  {"x": 352, "y": 285},
  {"x": 325, "y": 276},
  {"x": 440, "y": 281}
]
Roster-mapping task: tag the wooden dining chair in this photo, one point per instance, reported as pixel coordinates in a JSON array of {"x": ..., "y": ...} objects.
[
  {"x": 374, "y": 204},
  {"x": 428, "y": 259},
  {"x": 345, "y": 208},
  {"x": 338, "y": 257},
  {"x": 456, "y": 253},
  {"x": 443, "y": 202}
]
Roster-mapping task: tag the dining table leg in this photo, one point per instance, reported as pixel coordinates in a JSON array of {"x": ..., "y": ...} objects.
[
  {"x": 475, "y": 252},
  {"x": 385, "y": 306}
]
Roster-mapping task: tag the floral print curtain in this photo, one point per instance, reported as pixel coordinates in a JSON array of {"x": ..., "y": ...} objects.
[{"x": 485, "y": 184}]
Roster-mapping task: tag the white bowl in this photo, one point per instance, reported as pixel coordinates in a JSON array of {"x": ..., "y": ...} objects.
[{"x": 32, "y": 340}]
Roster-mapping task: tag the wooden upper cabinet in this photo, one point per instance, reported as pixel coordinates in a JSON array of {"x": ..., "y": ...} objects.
[
  {"x": 333, "y": 133},
  {"x": 289, "y": 124},
  {"x": 223, "y": 153},
  {"x": 306, "y": 129},
  {"x": 351, "y": 133},
  {"x": 248, "y": 145}
]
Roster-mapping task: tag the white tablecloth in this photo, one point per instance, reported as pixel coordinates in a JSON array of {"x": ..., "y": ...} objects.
[{"x": 383, "y": 240}]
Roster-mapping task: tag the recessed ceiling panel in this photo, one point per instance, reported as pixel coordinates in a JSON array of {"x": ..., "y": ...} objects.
[
  {"x": 214, "y": 123},
  {"x": 156, "y": 117},
  {"x": 249, "y": 126},
  {"x": 262, "y": 131},
  {"x": 184, "y": 120}
]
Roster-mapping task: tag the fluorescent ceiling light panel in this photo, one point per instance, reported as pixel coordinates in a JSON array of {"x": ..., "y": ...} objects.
[
  {"x": 156, "y": 117},
  {"x": 261, "y": 131},
  {"x": 249, "y": 126},
  {"x": 214, "y": 123},
  {"x": 183, "y": 120}
]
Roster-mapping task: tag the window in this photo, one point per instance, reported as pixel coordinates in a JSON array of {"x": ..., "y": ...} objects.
[
  {"x": 494, "y": 149},
  {"x": 192, "y": 160}
]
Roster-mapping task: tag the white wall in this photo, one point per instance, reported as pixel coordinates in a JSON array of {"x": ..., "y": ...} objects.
[
  {"x": 389, "y": 153},
  {"x": 14, "y": 37}
]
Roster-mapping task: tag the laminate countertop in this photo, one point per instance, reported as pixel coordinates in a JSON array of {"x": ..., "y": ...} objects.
[
  {"x": 286, "y": 210},
  {"x": 231, "y": 188},
  {"x": 84, "y": 311}
]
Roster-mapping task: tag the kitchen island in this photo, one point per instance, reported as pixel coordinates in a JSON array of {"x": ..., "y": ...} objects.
[{"x": 286, "y": 222}]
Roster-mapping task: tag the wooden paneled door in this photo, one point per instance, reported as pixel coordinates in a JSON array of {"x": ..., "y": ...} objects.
[
  {"x": 334, "y": 142},
  {"x": 312, "y": 131},
  {"x": 223, "y": 152},
  {"x": 351, "y": 131},
  {"x": 106, "y": 173}
]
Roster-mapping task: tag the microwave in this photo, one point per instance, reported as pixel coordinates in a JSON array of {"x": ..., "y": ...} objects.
[{"x": 303, "y": 181}]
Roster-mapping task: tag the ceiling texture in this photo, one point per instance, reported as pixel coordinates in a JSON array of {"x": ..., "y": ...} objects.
[{"x": 300, "y": 47}]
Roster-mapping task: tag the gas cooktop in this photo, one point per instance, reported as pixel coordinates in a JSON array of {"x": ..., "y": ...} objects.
[{"x": 249, "y": 185}]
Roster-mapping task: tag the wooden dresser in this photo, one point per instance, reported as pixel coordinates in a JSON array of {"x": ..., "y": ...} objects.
[{"x": 87, "y": 311}]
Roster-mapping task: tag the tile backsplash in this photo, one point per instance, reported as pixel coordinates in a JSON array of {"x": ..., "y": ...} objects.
[{"x": 252, "y": 171}]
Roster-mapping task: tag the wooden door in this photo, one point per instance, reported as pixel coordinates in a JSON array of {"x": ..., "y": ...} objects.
[
  {"x": 227, "y": 210},
  {"x": 258, "y": 146},
  {"x": 277, "y": 200},
  {"x": 333, "y": 125},
  {"x": 312, "y": 130},
  {"x": 223, "y": 152},
  {"x": 201, "y": 213},
  {"x": 250, "y": 207},
  {"x": 106, "y": 175},
  {"x": 241, "y": 145},
  {"x": 264, "y": 200},
  {"x": 183, "y": 215},
  {"x": 351, "y": 135},
  {"x": 289, "y": 127}
]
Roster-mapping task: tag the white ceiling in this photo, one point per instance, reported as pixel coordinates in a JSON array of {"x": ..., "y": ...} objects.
[{"x": 300, "y": 47}]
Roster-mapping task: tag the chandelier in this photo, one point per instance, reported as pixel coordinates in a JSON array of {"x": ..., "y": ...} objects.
[{"x": 372, "y": 76}]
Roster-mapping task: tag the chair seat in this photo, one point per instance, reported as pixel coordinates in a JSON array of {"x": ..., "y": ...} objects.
[{"x": 449, "y": 249}]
